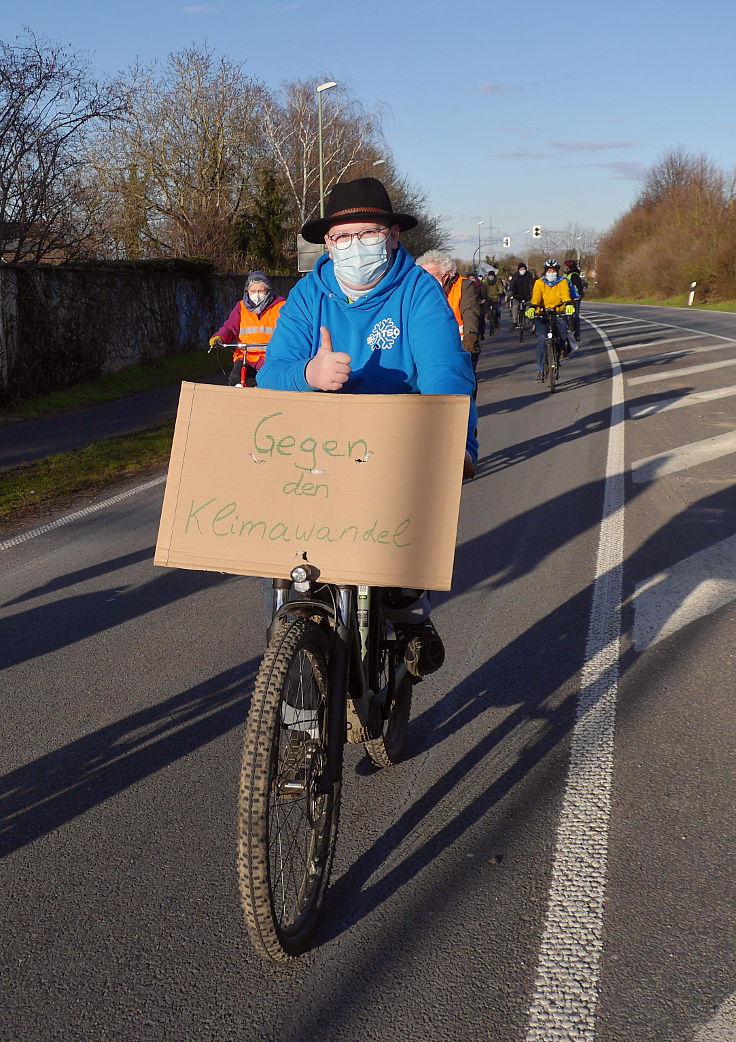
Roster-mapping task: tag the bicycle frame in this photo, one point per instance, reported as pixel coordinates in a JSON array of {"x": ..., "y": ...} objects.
[
  {"x": 355, "y": 706},
  {"x": 554, "y": 342},
  {"x": 525, "y": 325}
]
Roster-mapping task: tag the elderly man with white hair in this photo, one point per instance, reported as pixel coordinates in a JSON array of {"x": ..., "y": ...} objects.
[{"x": 462, "y": 296}]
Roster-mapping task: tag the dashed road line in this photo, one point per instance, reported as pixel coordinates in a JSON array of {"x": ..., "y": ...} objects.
[
  {"x": 638, "y": 412},
  {"x": 676, "y": 374},
  {"x": 565, "y": 996},
  {"x": 666, "y": 340},
  {"x": 79, "y": 514},
  {"x": 689, "y": 590},
  {"x": 683, "y": 457},
  {"x": 722, "y": 1027},
  {"x": 645, "y": 359},
  {"x": 705, "y": 350}
]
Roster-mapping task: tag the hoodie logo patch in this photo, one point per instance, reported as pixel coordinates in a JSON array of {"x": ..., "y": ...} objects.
[{"x": 383, "y": 335}]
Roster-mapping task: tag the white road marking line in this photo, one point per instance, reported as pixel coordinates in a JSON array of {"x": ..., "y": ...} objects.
[
  {"x": 722, "y": 1027},
  {"x": 637, "y": 412},
  {"x": 78, "y": 514},
  {"x": 682, "y": 329},
  {"x": 691, "y": 589},
  {"x": 683, "y": 457},
  {"x": 643, "y": 359},
  {"x": 675, "y": 374},
  {"x": 617, "y": 322},
  {"x": 566, "y": 988},
  {"x": 667, "y": 340}
]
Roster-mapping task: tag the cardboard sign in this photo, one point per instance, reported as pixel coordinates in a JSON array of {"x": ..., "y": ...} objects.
[{"x": 364, "y": 487}]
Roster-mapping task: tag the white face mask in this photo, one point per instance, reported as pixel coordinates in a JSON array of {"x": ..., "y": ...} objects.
[
  {"x": 359, "y": 265},
  {"x": 257, "y": 298},
  {"x": 522, "y": 271},
  {"x": 550, "y": 276}
]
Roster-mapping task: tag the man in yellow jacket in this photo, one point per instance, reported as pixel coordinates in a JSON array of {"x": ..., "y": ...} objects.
[{"x": 551, "y": 291}]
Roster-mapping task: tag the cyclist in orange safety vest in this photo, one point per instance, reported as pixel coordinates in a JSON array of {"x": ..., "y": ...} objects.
[
  {"x": 250, "y": 324},
  {"x": 461, "y": 295}
]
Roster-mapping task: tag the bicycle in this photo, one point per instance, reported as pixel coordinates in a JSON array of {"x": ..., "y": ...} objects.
[
  {"x": 555, "y": 347},
  {"x": 494, "y": 307},
  {"x": 525, "y": 325},
  {"x": 247, "y": 371},
  {"x": 333, "y": 672}
]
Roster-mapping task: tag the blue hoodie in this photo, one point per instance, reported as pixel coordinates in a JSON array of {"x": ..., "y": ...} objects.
[{"x": 402, "y": 337}]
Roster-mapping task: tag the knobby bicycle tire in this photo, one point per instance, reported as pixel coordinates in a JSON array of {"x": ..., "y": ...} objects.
[
  {"x": 552, "y": 363},
  {"x": 387, "y": 748},
  {"x": 287, "y": 830}
]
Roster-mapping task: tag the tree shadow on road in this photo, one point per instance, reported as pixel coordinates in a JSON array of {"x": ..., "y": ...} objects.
[
  {"x": 47, "y": 793},
  {"x": 61, "y": 582},
  {"x": 61, "y": 623}
]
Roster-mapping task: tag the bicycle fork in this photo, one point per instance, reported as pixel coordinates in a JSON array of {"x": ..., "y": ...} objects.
[{"x": 337, "y": 687}]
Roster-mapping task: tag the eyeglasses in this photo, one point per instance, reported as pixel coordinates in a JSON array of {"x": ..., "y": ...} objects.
[{"x": 369, "y": 237}]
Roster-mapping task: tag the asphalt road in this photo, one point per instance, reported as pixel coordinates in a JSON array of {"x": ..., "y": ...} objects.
[
  {"x": 555, "y": 857},
  {"x": 27, "y": 440}
]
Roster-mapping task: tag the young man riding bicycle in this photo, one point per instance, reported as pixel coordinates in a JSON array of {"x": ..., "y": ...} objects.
[
  {"x": 551, "y": 291},
  {"x": 368, "y": 320}
]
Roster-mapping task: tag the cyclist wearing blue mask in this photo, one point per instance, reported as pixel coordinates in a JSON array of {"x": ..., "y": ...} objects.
[
  {"x": 551, "y": 291},
  {"x": 368, "y": 320}
]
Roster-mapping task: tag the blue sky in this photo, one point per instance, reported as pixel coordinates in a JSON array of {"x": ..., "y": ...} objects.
[{"x": 513, "y": 114}]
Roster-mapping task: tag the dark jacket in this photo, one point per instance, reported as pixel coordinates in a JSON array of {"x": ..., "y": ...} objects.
[
  {"x": 522, "y": 285},
  {"x": 494, "y": 289},
  {"x": 575, "y": 277},
  {"x": 469, "y": 312}
]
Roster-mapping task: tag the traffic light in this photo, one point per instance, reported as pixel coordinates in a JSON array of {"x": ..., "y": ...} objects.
[
  {"x": 537, "y": 231},
  {"x": 507, "y": 241}
]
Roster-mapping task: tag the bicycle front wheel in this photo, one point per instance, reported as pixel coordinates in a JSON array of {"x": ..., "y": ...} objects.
[{"x": 287, "y": 828}]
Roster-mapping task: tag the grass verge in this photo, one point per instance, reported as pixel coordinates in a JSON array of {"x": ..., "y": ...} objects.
[
  {"x": 33, "y": 491},
  {"x": 679, "y": 301},
  {"x": 149, "y": 376}
]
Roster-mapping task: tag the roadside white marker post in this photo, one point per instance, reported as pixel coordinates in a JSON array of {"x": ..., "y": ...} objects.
[{"x": 691, "y": 297}]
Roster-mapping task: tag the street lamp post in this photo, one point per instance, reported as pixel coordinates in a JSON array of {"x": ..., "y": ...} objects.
[
  {"x": 320, "y": 88},
  {"x": 479, "y": 226}
]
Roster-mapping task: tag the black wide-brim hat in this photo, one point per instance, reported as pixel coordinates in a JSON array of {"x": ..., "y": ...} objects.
[{"x": 364, "y": 199}]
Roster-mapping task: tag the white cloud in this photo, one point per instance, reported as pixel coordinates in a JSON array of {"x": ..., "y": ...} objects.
[
  {"x": 494, "y": 88},
  {"x": 590, "y": 146},
  {"x": 523, "y": 153}
]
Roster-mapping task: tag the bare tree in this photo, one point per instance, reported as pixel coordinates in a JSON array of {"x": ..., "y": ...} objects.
[
  {"x": 352, "y": 139},
  {"x": 50, "y": 105},
  {"x": 180, "y": 169}
]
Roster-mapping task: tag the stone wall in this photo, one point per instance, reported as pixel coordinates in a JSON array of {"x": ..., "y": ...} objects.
[{"x": 61, "y": 325}]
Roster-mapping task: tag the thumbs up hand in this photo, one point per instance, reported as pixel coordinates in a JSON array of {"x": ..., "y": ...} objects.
[{"x": 329, "y": 369}]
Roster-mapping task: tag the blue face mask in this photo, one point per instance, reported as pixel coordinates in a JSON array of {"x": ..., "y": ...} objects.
[{"x": 359, "y": 265}]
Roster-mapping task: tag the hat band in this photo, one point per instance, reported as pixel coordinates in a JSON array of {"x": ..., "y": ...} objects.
[{"x": 359, "y": 209}]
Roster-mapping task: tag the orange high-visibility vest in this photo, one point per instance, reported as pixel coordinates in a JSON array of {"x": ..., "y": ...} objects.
[
  {"x": 453, "y": 299},
  {"x": 256, "y": 331}
]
